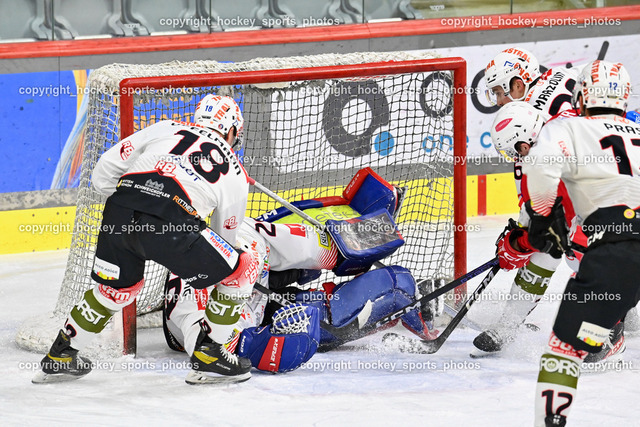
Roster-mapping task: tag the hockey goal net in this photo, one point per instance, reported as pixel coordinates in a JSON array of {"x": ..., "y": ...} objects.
[{"x": 310, "y": 123}]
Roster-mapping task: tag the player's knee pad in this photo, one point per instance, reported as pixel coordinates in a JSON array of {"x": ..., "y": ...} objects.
[
  {"x": 286, "y": 344},
  {"x": 116, "y": 299}
]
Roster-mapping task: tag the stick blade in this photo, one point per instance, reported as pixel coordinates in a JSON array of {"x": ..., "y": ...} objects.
[{"x": 410, "y": 345}]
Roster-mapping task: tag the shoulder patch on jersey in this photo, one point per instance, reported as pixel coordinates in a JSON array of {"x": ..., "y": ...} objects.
[{"x": 126, "y": 149}]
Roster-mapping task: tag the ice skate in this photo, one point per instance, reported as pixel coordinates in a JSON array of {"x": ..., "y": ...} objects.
[
  {"x": 212, "y": 363},
  {"x": 62, "y": 363}
]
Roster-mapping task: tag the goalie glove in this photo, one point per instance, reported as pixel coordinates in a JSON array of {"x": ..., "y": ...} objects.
[
  {"x": 513, "y": 248},
  {"x": 549, "y": 234},
  {"x": 285, "y": 345}
]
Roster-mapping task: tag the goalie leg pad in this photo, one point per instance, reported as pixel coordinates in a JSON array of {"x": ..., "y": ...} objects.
[
  {"x": 289, "y": 342},
  {"x": 374, "y": 295}
]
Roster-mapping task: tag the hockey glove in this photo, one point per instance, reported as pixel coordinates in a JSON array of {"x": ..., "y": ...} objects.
[
  {"x": 513, "y": 247},
  {"x": 290, "y": 341},
  {"x": 549, "y": 234}
]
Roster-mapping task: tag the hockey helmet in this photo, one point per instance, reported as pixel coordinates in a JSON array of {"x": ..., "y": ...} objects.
[
  {"x": 220, "y": 113},
  {"x": 515, "y": 122},
  {"x": 510, "y": 63},
  {"x": 603, "y": 84}
]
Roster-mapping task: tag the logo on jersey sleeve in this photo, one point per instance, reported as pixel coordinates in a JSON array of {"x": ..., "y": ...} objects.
[
  {"x": 126, "y": 150},
  {"x": 230, "y": 223}
]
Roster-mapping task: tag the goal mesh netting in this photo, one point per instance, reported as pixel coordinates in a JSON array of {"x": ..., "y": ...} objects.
[{"x": 306, "y": 136}]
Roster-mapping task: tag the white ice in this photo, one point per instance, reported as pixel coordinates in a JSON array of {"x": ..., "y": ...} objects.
[{"x": 360, "y": 384}]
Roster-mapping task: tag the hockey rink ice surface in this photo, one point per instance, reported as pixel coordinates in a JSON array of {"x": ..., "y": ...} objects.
[{"x": 360, "y": 384}]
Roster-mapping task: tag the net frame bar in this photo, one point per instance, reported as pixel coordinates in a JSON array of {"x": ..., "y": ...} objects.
[{"x": 129, "y": 86}]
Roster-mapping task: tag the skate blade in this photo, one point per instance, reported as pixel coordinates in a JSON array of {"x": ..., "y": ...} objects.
[
  {"x": 200, "y": 377},
  {"x": 44, "y": 378}
]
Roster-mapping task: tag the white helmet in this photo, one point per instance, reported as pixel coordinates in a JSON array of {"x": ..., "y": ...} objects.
[
  {"x": 603, "y": 84},
  {"x": 515, "y": 122},
  {"x": 510, "y": 63},
  {"x": 220, "y": 113}
]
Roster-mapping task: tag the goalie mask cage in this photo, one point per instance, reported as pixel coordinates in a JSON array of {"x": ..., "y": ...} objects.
[{"x": 310, "y": 124}]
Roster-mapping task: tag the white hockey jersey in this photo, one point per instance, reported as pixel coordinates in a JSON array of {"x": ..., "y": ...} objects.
[
  {"x": 597, "y": 158},
  {"x": 552, "y": 92},
  {"x": 171, "y": 168}
]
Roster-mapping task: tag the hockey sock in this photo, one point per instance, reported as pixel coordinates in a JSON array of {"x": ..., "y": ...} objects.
[
  {"x": 557, "y": 380},
  {"x": 529, "y": 285},
  {"x": 89, "y": 316},
  {"x": 87, "y": 319},
  {"x": 221, "y": 315}
]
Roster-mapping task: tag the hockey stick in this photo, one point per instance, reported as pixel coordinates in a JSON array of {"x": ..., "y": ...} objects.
[{"x": 431, "y": 346}]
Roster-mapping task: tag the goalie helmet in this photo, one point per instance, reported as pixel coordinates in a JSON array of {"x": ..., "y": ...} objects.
[
  {"x": 603, "y": 84},
  {"x": 220, "y": 113},
  {"x": 510, "y": 63},
  {"x": 515, "y": 122}
]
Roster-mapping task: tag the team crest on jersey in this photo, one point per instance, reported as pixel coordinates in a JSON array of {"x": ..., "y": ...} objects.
[
  {"x": 126, "y": 150},
  {"x": 230, "y": 223}
]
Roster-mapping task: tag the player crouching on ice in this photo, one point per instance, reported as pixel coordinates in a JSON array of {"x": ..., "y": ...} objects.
[
  {"x": 161, "y": 181},
  {"x": 280, "y": 339}
]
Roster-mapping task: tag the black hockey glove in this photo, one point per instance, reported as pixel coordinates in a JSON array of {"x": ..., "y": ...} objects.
[{"x": 549, "y": 234}]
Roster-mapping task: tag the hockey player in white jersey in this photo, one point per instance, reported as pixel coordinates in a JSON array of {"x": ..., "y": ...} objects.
[
  {"x": 597, "y": 156},
  {"x": 514, "y": 75},
  {"x": 161, "y": 182}
]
